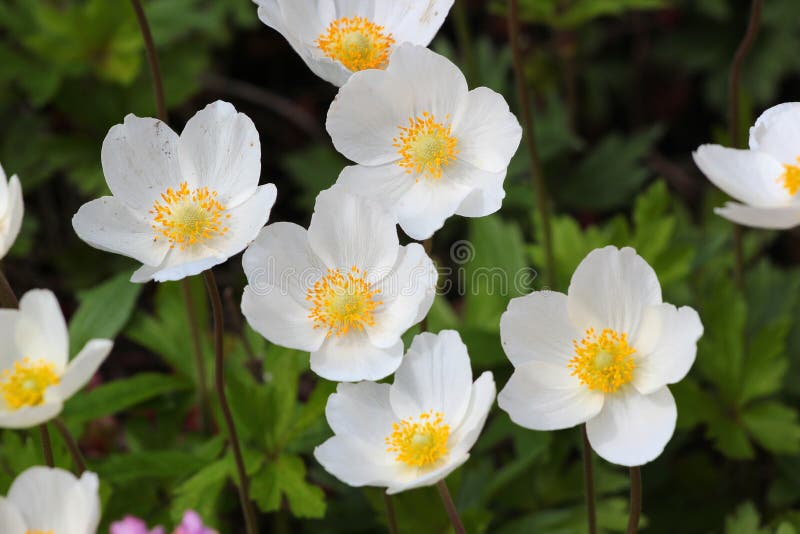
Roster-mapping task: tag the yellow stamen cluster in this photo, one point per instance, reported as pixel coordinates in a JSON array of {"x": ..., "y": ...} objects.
[
  {"x": 343, "y": 301},
  {"x": 38, "y": 532},
  {"x": 356, "y": 43},
  {"x": 426, "y": 146},
  {"x": 186, "y": 216},
  {"x": 603, "y": 362},
  {"x": 419, "y": 443},
  {"x": 25, "y": 384},
  {"x": 790, "y": 179}
]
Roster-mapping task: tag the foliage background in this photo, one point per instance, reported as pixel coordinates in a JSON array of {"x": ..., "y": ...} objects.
[{"x": 624, "y": 91}]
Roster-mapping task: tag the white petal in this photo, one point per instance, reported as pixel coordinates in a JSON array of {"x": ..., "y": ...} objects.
[
  {"x": 412, "y": 22},
  {"x": 434, "y": 201},
  {"x": 780, "y": 218},
  {"x": 83, "y": 367},
  {"x": 246, "y": 221},
  {"x": 387, "y": 185},
  {"x": 51, "y": 499},
  {"x": 544, "y": 396},
  {"x": 179, "y": 264},
  {"x": 352, "y": 357},
  {"x": 4, "y": 197},
  {"x": 424, "y": 478},
  {"x": 367, "y": 114},
  {"x": 220, "y": 149},
  {"x": 140, "y": 160},
  {"x": 666, "y": 347},
  {"x": 11, "y": 521},
  {"x": 480, "y": 403},
  {"x": 488, "y": 133},
  {"x": 347, "y": 231},
  {"x": 9, "y": 352},
  {"x": 281, "y": 258},
  {"x": 280, "y": 318},
  {"x": 776, "y": 132},
  {"x": 30, "y": 416},
  {"x": 536, "y": 327},
  {"x": 407, "y": 294},
  {"x": 308, "y": 19},
  {"x": 438, "y": 86},
  {"x": 487, "y": 196},
  {"x": 435, "y": 375},
  {"x": 41, "y": 329},
  {"x": 354, "y": 463},
  {"x": 362, "y": 411},
  {"x": 611, "y": 288},
  {"x": 108, "y": 224},
  {"x": 750, "y": 177},
  {"x": 633, "y": 429},
  {"x": 12, "y": 218}
]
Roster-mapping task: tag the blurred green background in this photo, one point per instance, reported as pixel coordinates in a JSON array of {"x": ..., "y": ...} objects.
[{"x": 623, "y": 91}]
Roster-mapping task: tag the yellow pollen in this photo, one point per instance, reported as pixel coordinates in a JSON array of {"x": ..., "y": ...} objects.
[
  {"x": 186, "y": 216},
  {"x": 790, "y": 179},
  {"x": 603, "y": 362},
  {"x": 419, "y": 443},
  {"x": 25, "y": 384},
  {"x": 426, "y": 146},
  {"x": 356, "y": 43},
  {"x": 38, "y": 532},
  {"x": 343, "y": 301}
]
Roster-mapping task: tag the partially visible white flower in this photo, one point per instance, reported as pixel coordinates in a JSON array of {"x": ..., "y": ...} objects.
[
  {"x": 426, "y": 146},
  {"x": 35, "y": 375},
  {"x": 179, "y": 205},
  {"x": 344, "y": 290},
  {"x": 336, "y": 38},
  {"x": 602, "y": 355},
  {"x": 11, "y": 210},
  {"x": 50, "y": 500},
  {"x": 414, "y": 432},
  {"x": 765, "y": 179}
]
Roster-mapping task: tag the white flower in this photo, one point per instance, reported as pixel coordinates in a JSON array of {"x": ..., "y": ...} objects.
[
  {"x": 414, "y": 432},
  {"x": 338, "y": 37},
  {"x": 179, "y": 205},
  {"x": 426, "y": 147},
  {"x": 344, "y": 290},
  {"x": 35, "y": 377},
  {"x": 50, "y": 500},
  {"x": 765, "y": 179},
  {"x": 602, "y": 355},
  {"x": 11, "y": 210}
]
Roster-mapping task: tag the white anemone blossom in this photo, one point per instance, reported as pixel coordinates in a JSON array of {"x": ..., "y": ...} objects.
[
  {"x": 35, "y": 375},
  {"x": 336, "y": 38},
  {"x": 765, "y": 180},
  {"x": 603, "y": 355},
  {"x": 50, "y": 500},
  {"x": 426, "y": 147},
  {"x": 180, "y": 205},
  {"x": 414, "y": 432},
  {"x": 343, "y": 290},
  {"x": 11, "y": 210}
]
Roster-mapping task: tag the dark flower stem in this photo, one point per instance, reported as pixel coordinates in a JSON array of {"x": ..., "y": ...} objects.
[
  {"x": 72, "y": 445},
  {"x": 391, "y": 517},
  {"x": 7, "y": 297},
  {"x": 636, "y": 500},
  {"x": 537, "y": 173},
  {"x": 450, "y": 507},
  {"x": 588, "y": 476},
  {"x": 219, "y": 382},
  {"x": 47, "y": 445},
  {"x": 161, "y": 109},
  {"x": 733, "y": 120}
]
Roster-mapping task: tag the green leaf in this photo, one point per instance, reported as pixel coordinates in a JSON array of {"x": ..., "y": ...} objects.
[
  {"x": 745, "y": 520},
  {"x": 774, "y": 426},
  {"x": 104, "y": 310},
  {"x": 286, "y": 476}
]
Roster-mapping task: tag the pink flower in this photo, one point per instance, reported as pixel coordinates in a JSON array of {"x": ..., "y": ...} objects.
[
  {"x": 192, "y": 524},
  {"x": 133, "y": 525}
]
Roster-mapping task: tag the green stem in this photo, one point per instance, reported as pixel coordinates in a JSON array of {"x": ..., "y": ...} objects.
[
  {"x": 47, "y": 445},
  {"x": 152, "y": 59},
  {"x": 219, "y": 382},
  {"x": 7, "y": 297},
  {"x": 197, "y": 349},
  {"x": 72, "y": 445},
  {"x": 636, "y": 500},
  {"x": 588, "y": 475},
  {"x": 537, "y": 173},
  {"x": 450, "y": 507},
  {"x": 391, "y": 517}
]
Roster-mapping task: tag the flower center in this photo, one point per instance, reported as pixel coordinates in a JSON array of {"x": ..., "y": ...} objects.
[
  {"x": 603, "y": 362},
  {"x": 38, "y": 532},
  {"x": 426, "y": 146},
  {"x": 25, "y": 384},
  {"x": 790, "y": 179},
  {"x": 419, "y": 443},
  {"x": 342, "y": 301},
  {"x": 186, "y": 216},
  {"x": 356, "y": 43}
]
